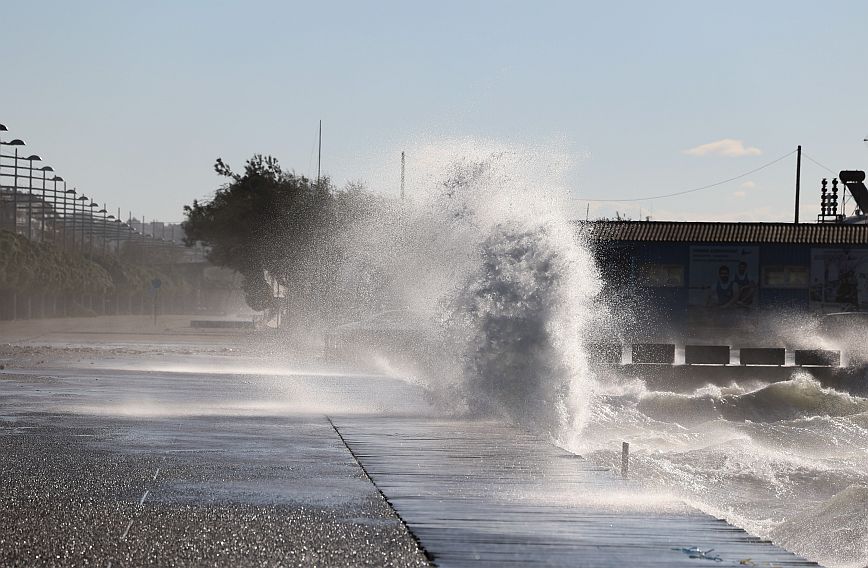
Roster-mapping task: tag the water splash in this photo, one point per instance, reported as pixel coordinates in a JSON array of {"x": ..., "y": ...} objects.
[{"x": 486, "y": 248}]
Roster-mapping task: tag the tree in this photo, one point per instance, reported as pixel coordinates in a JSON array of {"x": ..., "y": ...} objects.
[{"x": 267, "y": 219}]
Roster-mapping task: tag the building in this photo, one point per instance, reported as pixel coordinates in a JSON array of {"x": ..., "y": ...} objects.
[{"x": 696, "y": 274}]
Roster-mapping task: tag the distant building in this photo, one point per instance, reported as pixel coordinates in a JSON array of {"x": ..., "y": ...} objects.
[{"x": 723, "y": 274}]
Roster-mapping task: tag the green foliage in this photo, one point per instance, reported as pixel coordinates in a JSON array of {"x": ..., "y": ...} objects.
[
  {"x": 29, "y": 267},
  {"x": 267, "y": 219},
  {"x": 32, "y": 268}
]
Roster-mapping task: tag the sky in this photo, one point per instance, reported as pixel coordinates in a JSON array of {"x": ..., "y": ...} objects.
[{"x": 132, "y": 102}]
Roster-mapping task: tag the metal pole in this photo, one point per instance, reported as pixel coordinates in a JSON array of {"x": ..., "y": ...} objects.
[
  {"x": 91, "y": 223},
  {"x": 83, "y": 207},
  {"x": 42, "y": 211},
  {"x": 30, "y": 201},
  {"x": 402, "y": 175},
  {"x": 56, "y": 214},
  {"x": 104, "y": 232},
  {"x": 798, "y": 180},
  {"x": 319, "y": 154},
  {"x": 15, "y": 196},
  {"x": 625, "y": 459}
]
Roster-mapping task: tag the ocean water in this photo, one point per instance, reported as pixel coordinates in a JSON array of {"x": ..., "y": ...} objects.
[{"x": 787, "y": 461}]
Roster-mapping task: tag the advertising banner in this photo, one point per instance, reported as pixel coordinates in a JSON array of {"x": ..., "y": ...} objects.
[
  {"x": 839, "y": 279},
  {"x": 724, "y": 278}
]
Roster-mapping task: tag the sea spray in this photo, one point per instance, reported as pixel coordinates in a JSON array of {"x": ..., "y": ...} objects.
[
  {"x": 510, "y": 326},
  {"x": 486, "y": 249}
]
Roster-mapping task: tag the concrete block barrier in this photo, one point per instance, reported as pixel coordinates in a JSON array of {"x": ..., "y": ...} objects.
[
  {"x": 653, "y": 353},
  {"x": 604, "y": 353},
  {"x": 706, "y": 354},
  {"x": 762, "y": 356},
  {"x": 223, "y": 324},
  {"x": 817, "y": 357}
]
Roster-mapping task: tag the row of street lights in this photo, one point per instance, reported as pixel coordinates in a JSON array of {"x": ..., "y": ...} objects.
[{"x": 83, "y": 208}]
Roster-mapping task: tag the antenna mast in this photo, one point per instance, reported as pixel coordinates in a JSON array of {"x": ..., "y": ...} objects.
[
  {"x": 798, "y": 180},
  {"x": 319, "y": 154}
]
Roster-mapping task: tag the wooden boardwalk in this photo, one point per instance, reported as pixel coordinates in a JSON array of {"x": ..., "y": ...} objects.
[{"x": 482, "y": 494}]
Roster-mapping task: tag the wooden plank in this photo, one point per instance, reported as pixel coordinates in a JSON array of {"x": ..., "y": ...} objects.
[{"x": 484, "y": 494}]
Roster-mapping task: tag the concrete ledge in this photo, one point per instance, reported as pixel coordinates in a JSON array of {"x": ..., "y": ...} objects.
[
  {"x": 817, "y": 357},
  {"x": 604, "y": 353},
  {"x": 706, "y": 354},
  {"x": 762, "y": 356},
  {"x": 223, "y": 324},
  {"x": 653, "y": 353}
]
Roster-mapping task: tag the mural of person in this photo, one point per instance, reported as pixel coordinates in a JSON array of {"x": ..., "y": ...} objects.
[
  {"x": 746, "y": 286},
  {"x": 725, "y": 290}
]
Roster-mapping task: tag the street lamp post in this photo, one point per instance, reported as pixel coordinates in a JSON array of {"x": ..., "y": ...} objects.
[
  {"x": 71, "y": 194},
  {"x": 16, "y": 142},
  {"x": 104, "y": 233},
  {"x": 91, "y": 223},
  {"x": 82, "y": 198},
  {"x": 2, "y": 201},
  {"x": 56, "y": 179},
  {"x": 114, "y": 227},
  {"x": 31, "y": 158},
  {"x": 45, "y": 169}
]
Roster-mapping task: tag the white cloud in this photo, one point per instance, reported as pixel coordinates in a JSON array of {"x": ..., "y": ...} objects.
[
  {"x": 749, "y": 184},
  {"x": 739, "y": 194},
  {"x": 728, "y": 147}
]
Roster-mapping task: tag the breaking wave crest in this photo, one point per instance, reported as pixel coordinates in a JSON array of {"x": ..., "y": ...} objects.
[
  {"x": 485, "y": 248},
  {"x": 801, "y": 396}
]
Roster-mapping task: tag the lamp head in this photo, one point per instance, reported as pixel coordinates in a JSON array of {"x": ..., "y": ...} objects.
[{"x": 34, "y": 158}]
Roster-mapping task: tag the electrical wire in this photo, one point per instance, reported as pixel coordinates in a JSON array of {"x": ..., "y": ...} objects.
[
  {"x": 695, "y": 189},
  {"x": 828, "y": 169}
]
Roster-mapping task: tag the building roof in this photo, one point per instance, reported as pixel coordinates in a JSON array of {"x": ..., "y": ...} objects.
[{"x": 700, "y": 232}]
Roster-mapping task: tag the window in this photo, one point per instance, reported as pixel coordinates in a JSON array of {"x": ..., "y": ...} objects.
[
  {"x": 785, "y": 277},
  {"x": 662, "y": 275}
]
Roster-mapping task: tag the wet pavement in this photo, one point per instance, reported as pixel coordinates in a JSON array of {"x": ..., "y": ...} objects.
[
  {"x": 129, "y": 469},
  {"x": 190, "y": 466}
]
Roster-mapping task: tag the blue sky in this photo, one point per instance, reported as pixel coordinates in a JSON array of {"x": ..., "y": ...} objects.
[{"x": 132, "y": 101}]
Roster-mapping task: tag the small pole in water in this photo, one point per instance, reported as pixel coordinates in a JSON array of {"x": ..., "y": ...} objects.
[
  {"x": 402, "y": 175},
  {"x": 625, "y": 459}
]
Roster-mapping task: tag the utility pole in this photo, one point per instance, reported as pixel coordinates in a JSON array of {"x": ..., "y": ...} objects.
[
  {"x": 798, "y": 180},
  {"x": 319, "y": 155},
  {"x": 402, "y": 175}
]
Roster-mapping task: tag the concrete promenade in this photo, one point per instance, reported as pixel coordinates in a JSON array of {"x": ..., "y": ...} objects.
[{"x": 219, "y": 460}]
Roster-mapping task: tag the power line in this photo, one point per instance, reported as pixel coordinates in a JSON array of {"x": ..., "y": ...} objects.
[
  {"x": 686, "y": 191},
  {"x": 828, "y": 169}
]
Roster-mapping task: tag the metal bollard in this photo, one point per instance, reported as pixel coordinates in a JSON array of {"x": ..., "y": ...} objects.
[{"x": 625, "y": 459}]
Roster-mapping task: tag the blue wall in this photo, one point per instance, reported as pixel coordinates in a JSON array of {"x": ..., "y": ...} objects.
[{"x": 622, "y": 263}]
